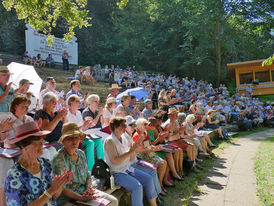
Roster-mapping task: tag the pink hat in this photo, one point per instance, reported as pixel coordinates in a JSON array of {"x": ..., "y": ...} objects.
[{"x": 25, "y": 130}]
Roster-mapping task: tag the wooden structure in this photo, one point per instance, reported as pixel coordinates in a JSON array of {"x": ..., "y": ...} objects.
[{"x": 252, "y": 73}]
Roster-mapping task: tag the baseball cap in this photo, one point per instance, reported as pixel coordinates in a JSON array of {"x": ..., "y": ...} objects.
[
  {"x": 49, "y": 79},
  {"x": 25, "y": 81}
]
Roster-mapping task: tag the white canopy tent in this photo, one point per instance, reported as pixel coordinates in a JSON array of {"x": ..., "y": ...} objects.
[{"x": 22, "y": 71}]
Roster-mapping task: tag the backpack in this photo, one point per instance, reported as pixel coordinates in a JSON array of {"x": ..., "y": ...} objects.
[{"x": 101, "y": 171}]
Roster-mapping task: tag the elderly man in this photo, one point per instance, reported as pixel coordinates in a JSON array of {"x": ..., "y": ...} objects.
[
  {"x": 149, "y": 112},
  {"x": 50, "y": 87},
  {"x": 6, "y": 92},
  {"x": 75, "y": 86},
  {"x": 114, "y": 91},
  {"x": 123, "y": 107},
  {"x": 133, "y": 109}
]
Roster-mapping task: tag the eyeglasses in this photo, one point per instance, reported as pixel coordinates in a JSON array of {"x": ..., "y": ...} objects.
[
  {"x": 145, "y": 124},
  {"x": 53, "y": 102},
  {"x": 132, "y": 125},
  {"x": 72, "y": 138}
]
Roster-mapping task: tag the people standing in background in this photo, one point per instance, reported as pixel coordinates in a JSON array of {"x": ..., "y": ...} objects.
[
  {"x": 6, "y": 92},
  {"x": 65, "y": 58}
]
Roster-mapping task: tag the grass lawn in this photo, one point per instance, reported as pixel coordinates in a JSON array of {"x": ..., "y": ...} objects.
[
  {"x": 265, "y": 172},
  {"x": 181, "y": 194}
]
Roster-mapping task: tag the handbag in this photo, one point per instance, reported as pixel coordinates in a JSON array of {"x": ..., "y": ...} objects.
[{"x": 101, "y": 171}]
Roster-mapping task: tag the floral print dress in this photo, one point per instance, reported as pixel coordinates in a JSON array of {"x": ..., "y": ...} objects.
[{"x": 21, "y": 187}]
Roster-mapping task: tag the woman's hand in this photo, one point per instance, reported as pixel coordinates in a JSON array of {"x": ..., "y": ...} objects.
[
  {"x": 62, "y": 113},
  {"x": 6, "y": 124},
  {"x": 59, "y": 181},
  {"x": 157, "y": 148}
]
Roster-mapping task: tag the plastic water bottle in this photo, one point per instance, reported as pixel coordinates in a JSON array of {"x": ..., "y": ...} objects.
[{"x": 112, "y": 184}]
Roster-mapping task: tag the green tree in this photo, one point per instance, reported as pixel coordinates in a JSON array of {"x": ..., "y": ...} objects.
[{"x": 42, "y": 15}]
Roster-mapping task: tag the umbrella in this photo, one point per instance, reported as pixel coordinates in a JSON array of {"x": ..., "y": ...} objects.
[
  {"x": 22, "y": 71},
  {"x": 138, "y": 92}
]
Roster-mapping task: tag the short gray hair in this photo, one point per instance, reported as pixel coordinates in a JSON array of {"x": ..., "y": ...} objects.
[
  {"x": 181, "y": 117},
  {"x": 48, "y": 96},
  {"x": 141, "y": 121},
  {"x": 92, "y": 98}
]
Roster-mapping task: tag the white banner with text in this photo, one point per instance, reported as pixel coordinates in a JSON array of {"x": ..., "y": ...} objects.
[{"x": 36, "y": 43}]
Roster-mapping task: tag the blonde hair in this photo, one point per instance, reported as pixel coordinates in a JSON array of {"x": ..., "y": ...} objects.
[
  {"x": 162, "y": 94},
  {"x": 190, "y": 117},
  {"x": 72, "y": 98}
]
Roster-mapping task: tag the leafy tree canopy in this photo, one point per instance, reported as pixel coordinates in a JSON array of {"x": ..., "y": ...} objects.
[{"x": 42, "y": 15}]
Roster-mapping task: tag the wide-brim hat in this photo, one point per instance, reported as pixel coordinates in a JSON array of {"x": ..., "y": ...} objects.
[
  {"x": 210, "y": 111},
  {"x": 114, "y": 86},
  {"x": 70, "y": 129},
  {"x": 172, "y": 110},
  {"x": 130, "y": 120},
  {"x": 153, "y": 121},
  {"x": 4, "y": 70},
  {"x": 26, "y": 130}
]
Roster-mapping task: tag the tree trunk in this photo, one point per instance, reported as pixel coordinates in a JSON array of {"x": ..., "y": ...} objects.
[{"x": 218, "y": 50}]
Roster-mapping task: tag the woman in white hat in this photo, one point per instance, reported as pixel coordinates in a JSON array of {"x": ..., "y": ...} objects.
[
  {"x": 30, "y": 180},
  {"x": 72, "y": 159}
]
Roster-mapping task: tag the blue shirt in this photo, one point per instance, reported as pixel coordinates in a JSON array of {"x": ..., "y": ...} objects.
[
  {"x": 4, "y": 106},
  {"x": 21, "y": 187},
  {"x": 71, "y": 92}
]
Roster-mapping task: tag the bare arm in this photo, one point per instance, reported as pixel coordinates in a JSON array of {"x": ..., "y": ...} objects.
[
  {"x": 5, "y": 94},
  {"x": 113, "y": 155}
]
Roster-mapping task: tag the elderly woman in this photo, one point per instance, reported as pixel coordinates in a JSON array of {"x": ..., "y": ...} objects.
[
  {"x": 92, "y": 113},
  {"x": 194, "y": 138},
  {"x": 72, "y": 159},
  {"x": 51, "y": 120},
  {"x": 119, "y": 154},
  {"x": 148, "y": 154},
  {"x": 19, "y": 108},
  {"x": 213, "y": 124},
  {"x": 30, "y": 180},
  {"x": 74, "y": 115},
  {"x": 130, "y": 123},
  {"x": 172, "y": 158},
  {"x": 160, "y": 137},
  {"x": 108, "y": 110}
]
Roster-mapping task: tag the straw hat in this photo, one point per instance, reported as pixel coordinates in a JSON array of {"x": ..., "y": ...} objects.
[
  {"x": 114, "y": 86},
  {"x": 172, "y": 110},
  {"x": 69, "y": 129},
  {"x": 4, "y": 70},
  {"x": 23, "y": 131}
]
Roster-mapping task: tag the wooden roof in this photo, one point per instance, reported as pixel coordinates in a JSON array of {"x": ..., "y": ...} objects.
[{"x": 230, "y": 68}]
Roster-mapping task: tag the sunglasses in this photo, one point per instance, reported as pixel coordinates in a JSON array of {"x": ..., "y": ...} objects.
[
  {"x": 123, "y": 125},
  {"x": 132, "y": 125},
  {"x": 145, "y": 124}
]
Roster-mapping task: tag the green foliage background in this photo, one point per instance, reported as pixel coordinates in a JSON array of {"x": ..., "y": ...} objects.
[{"x": 186, "y": 37}]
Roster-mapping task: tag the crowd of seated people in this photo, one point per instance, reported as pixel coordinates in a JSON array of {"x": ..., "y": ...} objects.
[
  {"x": 38, "y": 60},
  {"x": 144, "y": 149}
]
